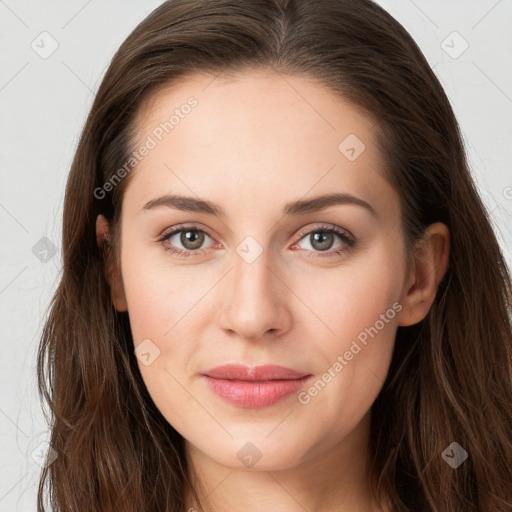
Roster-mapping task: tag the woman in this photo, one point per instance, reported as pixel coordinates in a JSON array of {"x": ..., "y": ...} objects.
[{"x": 281, "y": 290}]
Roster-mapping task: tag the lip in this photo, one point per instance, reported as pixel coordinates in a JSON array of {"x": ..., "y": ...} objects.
[{"x": 256, "y": 387}]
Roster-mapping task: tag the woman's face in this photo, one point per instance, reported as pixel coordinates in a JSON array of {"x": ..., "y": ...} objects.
[{"x": 258, "y": 280}]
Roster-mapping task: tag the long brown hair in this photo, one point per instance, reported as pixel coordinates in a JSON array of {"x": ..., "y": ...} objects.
[{"x": 450, "y": 378}]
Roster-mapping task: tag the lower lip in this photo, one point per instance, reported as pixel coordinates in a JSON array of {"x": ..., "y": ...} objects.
[{"x": 254, "y": 394}]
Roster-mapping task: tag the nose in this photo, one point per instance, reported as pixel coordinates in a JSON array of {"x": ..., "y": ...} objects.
[{"x": 254, "y": 300}]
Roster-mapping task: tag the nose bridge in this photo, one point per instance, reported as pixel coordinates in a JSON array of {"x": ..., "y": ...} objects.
[{"x": 251, "y": 302}]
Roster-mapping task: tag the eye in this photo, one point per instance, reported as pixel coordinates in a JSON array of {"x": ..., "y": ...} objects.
[
  {"x": 322, "y": 238},
  {"x": 190, "y": 238}
]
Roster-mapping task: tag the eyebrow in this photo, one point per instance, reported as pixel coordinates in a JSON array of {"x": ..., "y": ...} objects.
[{"x": 295, "y": 208}]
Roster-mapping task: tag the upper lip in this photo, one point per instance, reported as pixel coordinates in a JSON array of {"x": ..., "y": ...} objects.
[{"x": 265, "y": 372}]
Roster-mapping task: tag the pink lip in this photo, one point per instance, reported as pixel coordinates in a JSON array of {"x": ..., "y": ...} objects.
[{"x": 260, "y": 387}]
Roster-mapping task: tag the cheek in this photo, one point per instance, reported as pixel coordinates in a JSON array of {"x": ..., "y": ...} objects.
[
  {"x": 354, "y": 327},
  {"x": 163, "y": 305},
  {"x": 345, "y": 300},
  {"x": 160, "y": 306},
  {"x": 156, "y": 296}
]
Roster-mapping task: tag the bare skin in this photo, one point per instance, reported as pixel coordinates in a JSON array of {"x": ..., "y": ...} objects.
[{"x": 254, "y": 143}]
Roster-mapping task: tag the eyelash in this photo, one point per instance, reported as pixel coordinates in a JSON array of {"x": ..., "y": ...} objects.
[{"x": 343, "y": 235}]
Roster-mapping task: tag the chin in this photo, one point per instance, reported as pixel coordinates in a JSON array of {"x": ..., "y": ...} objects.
[{"x": 257, "y": 455}]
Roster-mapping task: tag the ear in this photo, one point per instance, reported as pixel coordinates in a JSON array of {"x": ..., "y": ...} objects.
[
  {"x": 430, "y": 263},
  {"x": 113, "y": 274}
]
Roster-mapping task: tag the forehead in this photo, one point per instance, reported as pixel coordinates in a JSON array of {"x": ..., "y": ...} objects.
[{"x": 257, "y": 134}]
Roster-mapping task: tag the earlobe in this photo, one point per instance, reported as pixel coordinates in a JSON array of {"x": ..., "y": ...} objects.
[
  {"x": 111, "y": 272},
  {"x": 430, "y": 264}
]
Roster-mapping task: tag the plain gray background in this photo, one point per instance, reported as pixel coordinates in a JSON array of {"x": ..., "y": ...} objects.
[{"x": 44, "y": 99}]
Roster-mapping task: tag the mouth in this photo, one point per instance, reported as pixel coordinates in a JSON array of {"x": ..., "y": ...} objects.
[{"x": 254, "y": 388}]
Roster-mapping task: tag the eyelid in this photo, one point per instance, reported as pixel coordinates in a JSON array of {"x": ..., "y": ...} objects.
[
  {"x": 326, "y": 227},
  {"x": 183, "y": 227}
]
